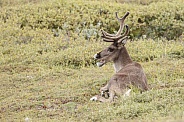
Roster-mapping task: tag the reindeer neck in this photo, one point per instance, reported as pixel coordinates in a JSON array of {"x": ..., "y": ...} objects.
[{"x": 122, "y": 60}]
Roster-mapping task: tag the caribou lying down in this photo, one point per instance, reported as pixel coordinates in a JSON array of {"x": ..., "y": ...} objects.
[{"x": 128, "y": 73}]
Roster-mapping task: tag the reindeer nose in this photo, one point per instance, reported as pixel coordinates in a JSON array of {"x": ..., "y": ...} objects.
[{"x": 97, "y": 56}]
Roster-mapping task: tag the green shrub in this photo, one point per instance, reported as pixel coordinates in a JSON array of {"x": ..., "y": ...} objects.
[{"x": 159, "y": 19}]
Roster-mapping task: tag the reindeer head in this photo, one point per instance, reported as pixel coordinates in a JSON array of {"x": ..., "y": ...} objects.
[{"x": 111, "y": 53}]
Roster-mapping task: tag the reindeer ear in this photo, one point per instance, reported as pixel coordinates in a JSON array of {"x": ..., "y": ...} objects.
[{"x": 122, "y": 41}]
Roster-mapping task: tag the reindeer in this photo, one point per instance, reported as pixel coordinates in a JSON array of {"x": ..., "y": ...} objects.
[{"x": 128, "y": 73}]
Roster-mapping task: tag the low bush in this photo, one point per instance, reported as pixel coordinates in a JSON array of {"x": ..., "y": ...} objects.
[{"x": 158, "y": 19}]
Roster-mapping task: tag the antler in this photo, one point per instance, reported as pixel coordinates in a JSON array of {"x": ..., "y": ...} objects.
[{"x": 115, "y": 37}]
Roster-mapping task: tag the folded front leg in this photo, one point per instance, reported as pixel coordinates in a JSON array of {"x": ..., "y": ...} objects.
[
  {"x": 102, "y": 99},
  {"x": 104, "y": 90}
]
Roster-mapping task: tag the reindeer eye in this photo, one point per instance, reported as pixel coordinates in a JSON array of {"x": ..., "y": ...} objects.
[{"x": 110, "y": 50}]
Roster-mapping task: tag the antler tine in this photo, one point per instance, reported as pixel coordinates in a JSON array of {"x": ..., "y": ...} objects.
[
  {"x": 108, "y": 40},
  {"x": 107, "y": 34},
  {"x": 123, "y": 39},
  {"x": 121, "y": 20},
  {"x": 127, "y": 30},
  {"x": 118, "y": 35}
]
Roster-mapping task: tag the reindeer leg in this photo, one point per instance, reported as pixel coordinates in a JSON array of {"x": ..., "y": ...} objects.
[
  {"x": 102, "y": 99},
  {"x": 110, "y": 99},
  {"x": 103, "y": 90}
]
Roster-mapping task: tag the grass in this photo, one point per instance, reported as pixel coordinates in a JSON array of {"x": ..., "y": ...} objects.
[
  {"x": 48, "y": 78},
  {"x": 55, "y": 93}
]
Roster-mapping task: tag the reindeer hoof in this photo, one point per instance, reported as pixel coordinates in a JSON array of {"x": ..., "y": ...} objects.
[
  {"x": 102, "y": 93},
  {"x": 94, "y": 98}
]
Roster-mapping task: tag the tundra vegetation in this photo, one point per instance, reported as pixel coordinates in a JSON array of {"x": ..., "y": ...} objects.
[{"x": 47, "y": 70}]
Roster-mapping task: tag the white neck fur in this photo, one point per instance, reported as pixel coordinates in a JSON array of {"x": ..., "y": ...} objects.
[{"x": 117, "y": 66}]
